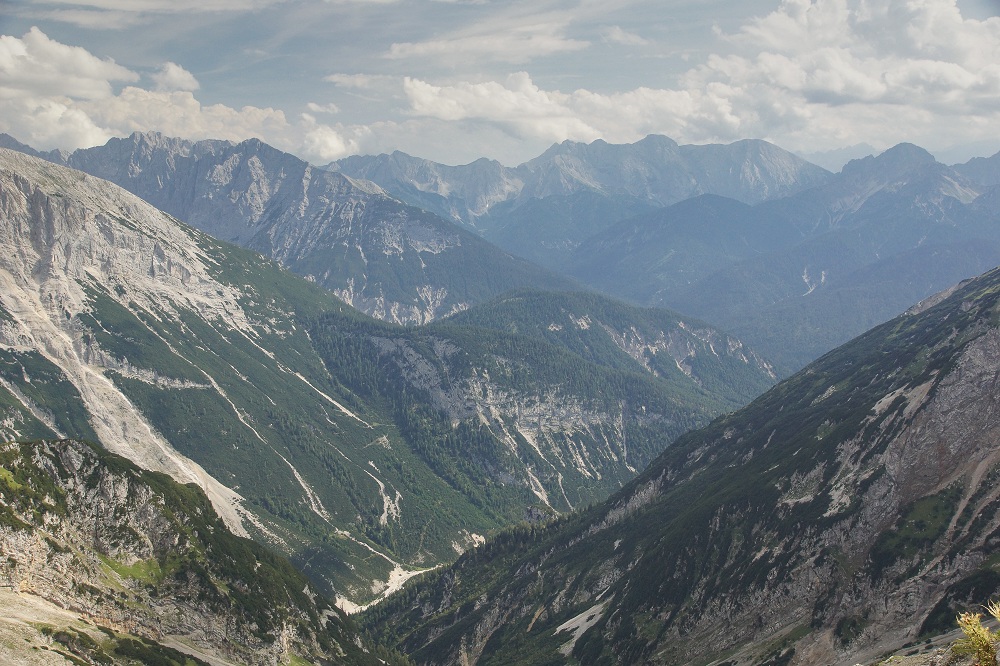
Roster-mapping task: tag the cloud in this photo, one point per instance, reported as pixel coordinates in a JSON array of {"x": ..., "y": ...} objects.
[
  {"x": 616, "y": 35},
  {"x": 125, "y": 14},
  {"x": 179, "y": 113},
  {"x": 58, "y": 96},
  {"x": 812, "y": 74},
  {"x": 172, "y": 76},
  {"x": 528, "y": 111},
  {"x": 94, "y": 18},
  {"x": 363, "y": 81},
  {"x": 38, "y": 65},
  {"x": 323, "y": 108},
  {"x": 516, "y": 103},
  {"x": 877, "y": 52},
  {"x": 323, "y": 143},
  {"x": 169, "y": 6},
  {"x": 518, "y": 43}
]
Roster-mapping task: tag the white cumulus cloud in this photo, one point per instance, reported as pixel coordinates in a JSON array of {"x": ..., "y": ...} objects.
[
  {"x": 323, "y": 143},
  {"x": 172, "y": 76},
  {"x": 57, "y": 96},
  {"x": 503, "y": 41},
  {"x": 516, "y": 103},
  {"x": 813, "y": 74},
  {"x": 36, "y": 65}
]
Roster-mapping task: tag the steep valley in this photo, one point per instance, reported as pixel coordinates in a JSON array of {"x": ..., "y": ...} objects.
[
  {"x": 363, "y": 450},
  {"x": 848, "y": 511}
]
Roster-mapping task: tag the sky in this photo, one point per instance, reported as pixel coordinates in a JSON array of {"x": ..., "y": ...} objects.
[{"x": 456, "y": 80}]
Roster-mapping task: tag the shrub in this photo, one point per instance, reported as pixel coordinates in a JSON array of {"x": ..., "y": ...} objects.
[{"x": 980, "y": 643}]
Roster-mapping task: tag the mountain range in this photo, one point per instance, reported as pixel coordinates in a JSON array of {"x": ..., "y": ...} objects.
[
  {"x": 362, "y": 449},
  {"x": 791, "y": 258},
  {"x": 655, "y": 170},
  {"x": 387, "y": 259},
  {"x": 799, "y": 275},
  {"x": 543, "y": 209},
  {"x": 844, "y": 513}
]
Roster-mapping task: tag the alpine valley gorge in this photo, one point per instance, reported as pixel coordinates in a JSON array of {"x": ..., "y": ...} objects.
[{"x": 594, "y": 404}]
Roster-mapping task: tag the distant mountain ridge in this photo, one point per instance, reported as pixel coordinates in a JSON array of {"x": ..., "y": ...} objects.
[
  {"x": 655, "y": 170},
  {"x": 790, "y": 257},
  {"x": 544, "y": 209},
  {"x": 798, "y": 275},
  {"x": 982, "y": 170}
]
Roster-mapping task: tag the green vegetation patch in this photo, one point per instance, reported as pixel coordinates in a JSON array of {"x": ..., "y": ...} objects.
[
  {"x": 150, "y": 653},
  {"x": 48, "y": 392},
  {"x": 150, "y": 571},
  {"x": 26, "y": 492},
  {"x": 917, "y": 529}
]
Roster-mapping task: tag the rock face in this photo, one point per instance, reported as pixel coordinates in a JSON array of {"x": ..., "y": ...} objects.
[
  {"x": 556, "y": 398},
  {"x": 389, "y": 260},
  {"x": 139, "y": 554},
  {"x": 120, "y": 325},
  {"x": 982, "y": 170},
  {"x": 63, "y": 236},
  {"x": 849, "y": 510}
]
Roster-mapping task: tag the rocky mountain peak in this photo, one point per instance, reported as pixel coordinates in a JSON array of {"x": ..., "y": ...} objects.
[
  {"x": 982, "y": 170},
  {"x": 891, "y": 163},
  {"x": 652, "y": 172},
  {"x": 339, "y": 229}
]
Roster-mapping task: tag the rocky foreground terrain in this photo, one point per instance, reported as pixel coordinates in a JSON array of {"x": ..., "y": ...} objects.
[{"x": 104, "y": 561}]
